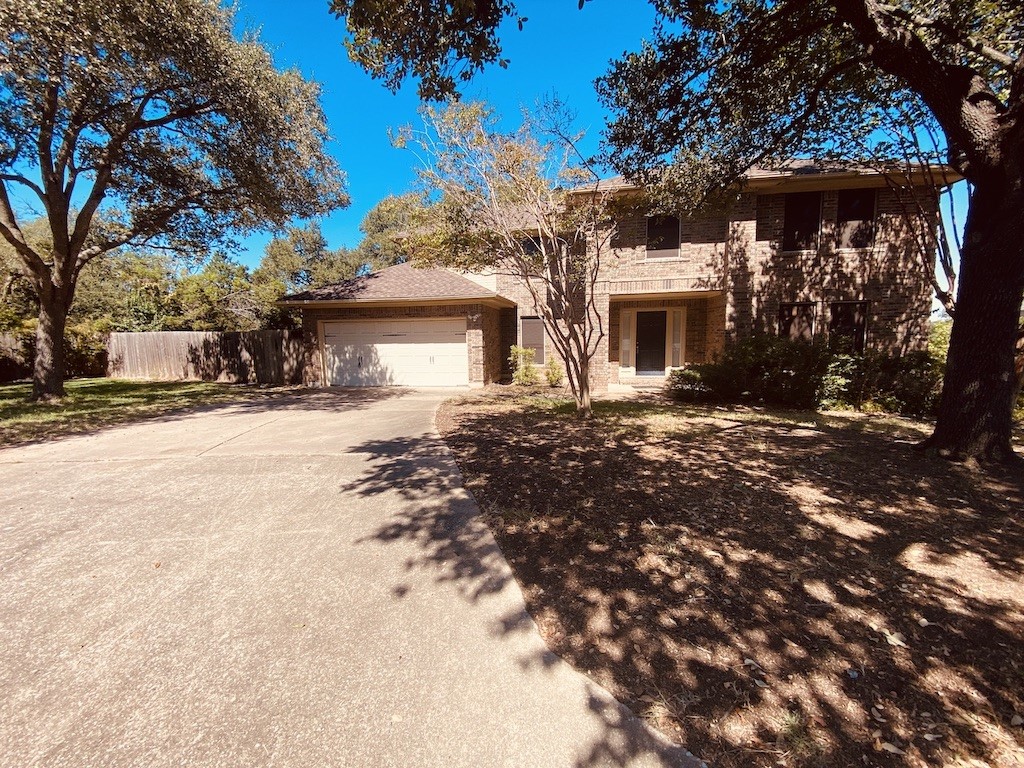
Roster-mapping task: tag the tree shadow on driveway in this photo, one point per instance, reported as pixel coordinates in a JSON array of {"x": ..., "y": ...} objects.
[{"x": 452, "y": 545}]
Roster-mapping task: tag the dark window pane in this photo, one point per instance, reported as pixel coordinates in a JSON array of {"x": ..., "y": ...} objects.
[
  {"x": 662, "y": 237},
  {"x": 802, "y": 222},
  {"x": 855, "y": 218},
  {"x": 796, "y": 321},
  {"x": 531, "y": 246},
  {"x": 847, "y": 326},
  {"x": 533, "y": 337}
]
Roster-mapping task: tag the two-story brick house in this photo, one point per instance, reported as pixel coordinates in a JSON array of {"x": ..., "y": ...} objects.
[{"x": 802, "y": 251}]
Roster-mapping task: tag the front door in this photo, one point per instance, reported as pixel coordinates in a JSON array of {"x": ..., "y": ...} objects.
[{"x": 650, "y": 342}]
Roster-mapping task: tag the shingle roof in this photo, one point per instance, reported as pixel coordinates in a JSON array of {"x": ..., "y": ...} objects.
[
  {"x": 803, "y": 167},
  {"x": 400, "y": 282}
]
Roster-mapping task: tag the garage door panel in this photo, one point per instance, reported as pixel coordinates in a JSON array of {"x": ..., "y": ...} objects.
[{"x": 420, "y": 353}]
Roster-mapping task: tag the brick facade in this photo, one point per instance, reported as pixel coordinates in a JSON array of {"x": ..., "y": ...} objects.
[{"x": 730, "y": 275}]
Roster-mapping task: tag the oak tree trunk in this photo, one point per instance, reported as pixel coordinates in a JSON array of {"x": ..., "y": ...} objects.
[
  {"x": 975, "y": 415},
  {"x": 48, "y": 369}
]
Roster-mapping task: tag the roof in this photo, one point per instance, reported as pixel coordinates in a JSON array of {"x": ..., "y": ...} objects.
[
  {"x": 819, "y": 172},
  {"x": 400, "y": 283}
]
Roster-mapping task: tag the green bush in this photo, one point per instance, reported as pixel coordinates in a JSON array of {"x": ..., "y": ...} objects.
[
  {"x": 553, "y": 373},
  {"x": 796, "y": 374},
  {"x": 524, "y": 373}
]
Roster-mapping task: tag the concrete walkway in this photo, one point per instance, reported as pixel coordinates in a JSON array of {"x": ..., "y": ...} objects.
[{"x": 296, "y": 582}]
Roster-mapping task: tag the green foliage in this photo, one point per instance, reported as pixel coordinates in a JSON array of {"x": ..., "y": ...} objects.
[
  {"x": 797, "y": 374},
  {"x": 160, "y": 125},
  {"x": 553, "y": 372},
  {"x": 432, "y": 39},
  {"x": 386, "y": 229},
  {"x": 524, "y": 372},
  {"x": 217, "y": 298}
]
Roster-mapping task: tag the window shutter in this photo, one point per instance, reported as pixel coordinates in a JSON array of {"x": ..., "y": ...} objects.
[
  {"x": 626, "y": 339},
  {"x": 677, "y": 339}
]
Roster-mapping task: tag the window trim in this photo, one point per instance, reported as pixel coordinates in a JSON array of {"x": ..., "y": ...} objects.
[
  {"x": 874, "y": 220},
  {"x": 867, "y": 317},
  {"x": 647, "y": 241},
  {"x": 817, "y": 235},
  {"x": 540, "y": 353},
  {"x": 813, "y": 305}
]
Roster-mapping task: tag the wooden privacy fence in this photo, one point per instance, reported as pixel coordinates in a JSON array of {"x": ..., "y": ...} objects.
[{"x": 253, "y": 357}]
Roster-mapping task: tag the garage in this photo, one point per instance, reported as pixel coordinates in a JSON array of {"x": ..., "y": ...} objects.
[{"x": 426, "y": 352}]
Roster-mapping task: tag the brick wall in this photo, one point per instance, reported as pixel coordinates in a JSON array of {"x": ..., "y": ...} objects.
[{"x": 891, "y": 276}]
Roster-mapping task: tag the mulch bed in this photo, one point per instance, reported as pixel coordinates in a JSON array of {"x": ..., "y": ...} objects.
[{"x": 768, "y": 589}]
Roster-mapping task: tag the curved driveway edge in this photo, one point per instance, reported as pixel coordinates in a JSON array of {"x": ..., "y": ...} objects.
[{"x": 300, "y": 581}]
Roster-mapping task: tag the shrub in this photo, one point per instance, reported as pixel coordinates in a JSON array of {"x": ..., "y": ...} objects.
[
  {"x": 553, "y": 373},
  {"x": 797, "y": 374},
  {"x": 524, "y": 373},
  {"x": 687, "y": 385}
]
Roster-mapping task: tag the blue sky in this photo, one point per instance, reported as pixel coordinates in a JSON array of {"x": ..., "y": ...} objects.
[{"x": 561, "y": 49}]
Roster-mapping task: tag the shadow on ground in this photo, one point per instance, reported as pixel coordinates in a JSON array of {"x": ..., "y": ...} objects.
[
  {"x": 155, "y": 402},
  {"x": 453, "y": 543},
  {"x": 796, "y": 592}
]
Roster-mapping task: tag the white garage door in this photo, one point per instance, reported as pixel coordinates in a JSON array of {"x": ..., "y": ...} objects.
[{"x": 413, "y": 353}]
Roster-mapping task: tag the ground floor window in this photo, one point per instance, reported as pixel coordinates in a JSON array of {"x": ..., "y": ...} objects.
[
  {"x": 532, "y": 336},
  {"x": 848, "y": 323},
  {"x": 796, "y": 320}
]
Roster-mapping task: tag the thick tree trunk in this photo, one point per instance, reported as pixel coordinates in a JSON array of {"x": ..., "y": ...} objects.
[
  {"x": 976, "y": 408},
  {"x": 48, "y": 368}
]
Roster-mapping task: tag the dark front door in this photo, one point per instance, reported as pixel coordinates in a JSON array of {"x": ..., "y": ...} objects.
[{"x": 650, "y": 342}]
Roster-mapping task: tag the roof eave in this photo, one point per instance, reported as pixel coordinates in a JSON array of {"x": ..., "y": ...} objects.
[{"x": 492, "y": 300}]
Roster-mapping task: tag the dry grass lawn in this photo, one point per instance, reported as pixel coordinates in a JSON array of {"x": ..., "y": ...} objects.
[{"x": 768, "y": 588}]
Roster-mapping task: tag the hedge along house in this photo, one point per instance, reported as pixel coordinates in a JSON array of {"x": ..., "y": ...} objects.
[{"x": 802, "y": 251}]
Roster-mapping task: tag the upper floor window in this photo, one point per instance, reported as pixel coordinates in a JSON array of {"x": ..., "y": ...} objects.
[
  {"x": 802, "y": 221},
  {"x": 855, "y": 218},
  {"x": 533, "y": 337},
  {"x": 662, "y": 237},
  {"x": 848, "y": 324},
  {"x": 796, "y": 321}
]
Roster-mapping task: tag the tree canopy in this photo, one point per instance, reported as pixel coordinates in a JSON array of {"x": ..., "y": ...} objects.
[
  {"x": 146, "y": 124},
  {"x": 522, "y": 204}
]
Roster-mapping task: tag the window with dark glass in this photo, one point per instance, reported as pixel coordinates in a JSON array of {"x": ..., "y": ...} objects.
[
  {"x": 530, "y": 245},
  {"x": 796, "y": 321},
  {"x": 802, "y": 221},
  {"x": 533, "y": 337},
  {"x": 855, "y": 218},
  {"x": 848, "y": 325},
  {"x": 662, "y": 237}
]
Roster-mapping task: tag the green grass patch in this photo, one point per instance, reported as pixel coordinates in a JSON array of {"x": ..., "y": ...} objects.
[{"x": 93, "y": 404}]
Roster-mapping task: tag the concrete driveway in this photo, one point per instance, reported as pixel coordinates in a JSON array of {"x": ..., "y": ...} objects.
[{"x": 301, "y": 581}]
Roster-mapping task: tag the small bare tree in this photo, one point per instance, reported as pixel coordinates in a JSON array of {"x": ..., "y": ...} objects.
[{"x": 524, "y": 204}]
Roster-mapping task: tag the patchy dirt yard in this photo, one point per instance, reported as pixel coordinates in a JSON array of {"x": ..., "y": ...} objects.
[{"x": 768, "y": 588}]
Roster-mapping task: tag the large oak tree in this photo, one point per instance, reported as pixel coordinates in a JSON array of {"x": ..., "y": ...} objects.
[
  {"x": 144, "y": 124},
  {"x": 723, "y": 86}
]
